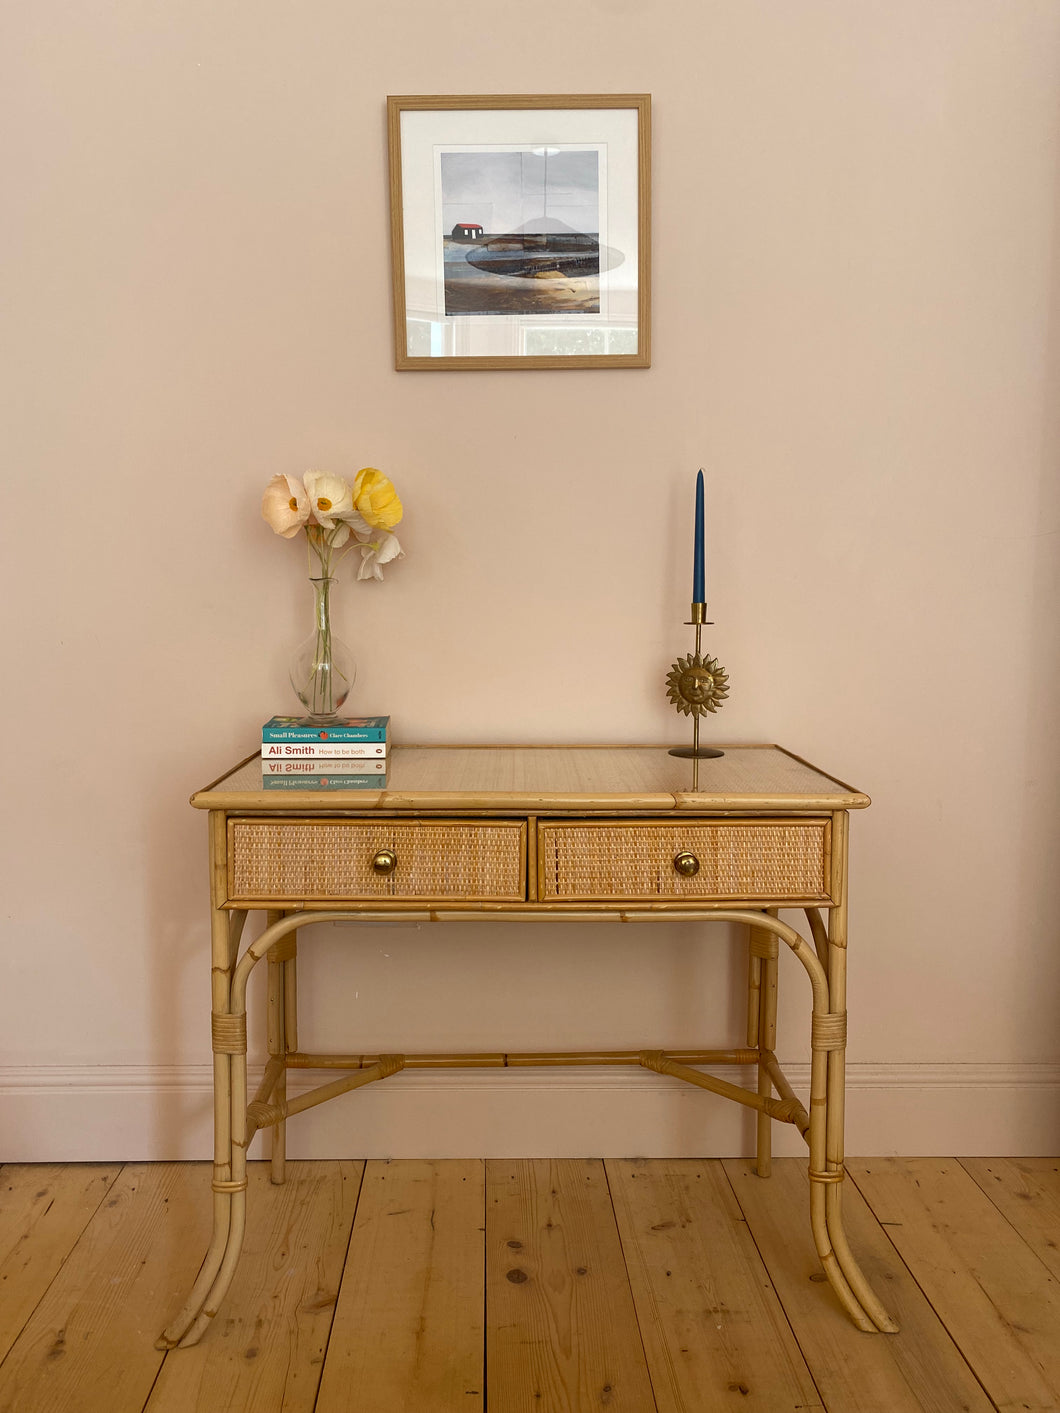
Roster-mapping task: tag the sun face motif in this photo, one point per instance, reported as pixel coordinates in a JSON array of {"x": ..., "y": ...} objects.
[{"x": 697, "y": 684}]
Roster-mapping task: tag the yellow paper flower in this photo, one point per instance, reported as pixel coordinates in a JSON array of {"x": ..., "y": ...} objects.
[
  {"x": 285, "y": 505},
  {"x": 376, "y": 500},
  {"x": 329, "y": 498}
]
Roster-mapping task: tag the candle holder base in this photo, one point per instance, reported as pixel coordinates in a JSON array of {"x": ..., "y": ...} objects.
[{"x": 695, "y": 752}]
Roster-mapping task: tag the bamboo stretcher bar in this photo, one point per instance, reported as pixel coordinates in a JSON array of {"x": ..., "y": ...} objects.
[
  {"x": 273, "y": 1072},
  {"x": 678, "y": 1066},
  {"x": 265, "y": 1115},
  {"x": 783, "y": 1110},
  {"x": 784, "y": 1089},
  {"x": 512, "y": 1059}
]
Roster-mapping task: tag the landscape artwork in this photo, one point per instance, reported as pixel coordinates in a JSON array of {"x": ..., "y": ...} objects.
[{"x": 521, "y": 231}]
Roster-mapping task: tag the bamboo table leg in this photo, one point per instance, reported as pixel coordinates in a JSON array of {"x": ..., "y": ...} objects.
[
  {"x": 282, "y": 1035},
  {"x": 226, "y": 929},
  {"x": 233, "y": 1029},
  {"x": 230, "y": 1030},
  {"x": 765, "y": 948},
  {"x": 825, "y": 1131},
  {"x": 236, "y": 1122},
  {"x": 821, "y": 1019},
  {"x": 836, "y": 1091}
]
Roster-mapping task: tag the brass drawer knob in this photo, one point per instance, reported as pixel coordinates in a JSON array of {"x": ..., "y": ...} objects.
[
  {"x": 686, "y": 864},
  {"x": 386, "y": 861}
]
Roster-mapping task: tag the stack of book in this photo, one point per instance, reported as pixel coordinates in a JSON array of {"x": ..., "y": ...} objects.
[{"x": 348, "y": 754}]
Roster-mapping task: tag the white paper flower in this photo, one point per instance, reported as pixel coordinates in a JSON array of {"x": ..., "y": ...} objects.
[
  {"x": 357, "y": 523},
  {"x": 321, "y": 538},
  {"x": 330, "y": 498},
  {"x": 379, "y": 550},
  {"x": 285, "y": 505}
]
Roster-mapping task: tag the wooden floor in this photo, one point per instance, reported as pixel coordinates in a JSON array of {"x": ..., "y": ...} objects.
[{"x": 532, "y": 1287}]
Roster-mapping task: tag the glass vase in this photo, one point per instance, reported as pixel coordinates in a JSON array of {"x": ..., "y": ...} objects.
[{"x": 322, "y": 670}]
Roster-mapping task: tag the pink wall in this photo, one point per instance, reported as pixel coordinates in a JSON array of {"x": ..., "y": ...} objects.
[{"x": 855, "y": 335}]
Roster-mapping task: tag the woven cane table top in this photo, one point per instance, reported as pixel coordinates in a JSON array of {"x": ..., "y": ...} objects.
[{"x": 533, "y": 778}]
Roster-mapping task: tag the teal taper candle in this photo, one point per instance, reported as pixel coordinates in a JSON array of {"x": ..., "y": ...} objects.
[{"x": 699, "y": 594}]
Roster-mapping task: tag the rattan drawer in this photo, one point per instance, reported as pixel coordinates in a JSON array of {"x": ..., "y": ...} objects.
[
  {"x": 760, "y": 860},
  {"x": 294, "y": 859}
]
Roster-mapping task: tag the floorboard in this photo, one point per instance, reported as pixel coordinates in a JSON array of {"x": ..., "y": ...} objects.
[
  {"x": 44, "y": 1208},
  {"x": 919, "y": 1368},
  {"x": 993, "y": 1294},
  {"x": 561, "y": 1328},
  {"x": 408, "y": 1325},
  {"x": 533, "y": 1286},
  {"x": 714, "y": 1330},
  {"x": 1027, "y": 1193},
  {"x": 89, "y": 1344},
  {"x": 265, "y": 1350}
]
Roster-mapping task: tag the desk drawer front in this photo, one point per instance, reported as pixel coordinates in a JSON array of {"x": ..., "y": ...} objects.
[
  {"x": 742, "y": 860},
  {"x": 334, "y": 858}
]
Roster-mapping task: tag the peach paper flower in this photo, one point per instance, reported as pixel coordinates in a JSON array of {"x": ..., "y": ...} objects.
[{"x": 285, "y": 505}]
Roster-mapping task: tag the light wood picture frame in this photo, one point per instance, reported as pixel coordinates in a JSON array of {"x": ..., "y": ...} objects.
[{"x": 520, "y": 230}]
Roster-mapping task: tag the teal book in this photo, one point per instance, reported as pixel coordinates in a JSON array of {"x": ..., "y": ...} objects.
[
  {"x": 346, "y": 730},
  {"x": 323, "y": 782}
]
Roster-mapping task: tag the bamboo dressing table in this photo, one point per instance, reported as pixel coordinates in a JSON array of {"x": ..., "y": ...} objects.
[{"x": 534, "y": 833}]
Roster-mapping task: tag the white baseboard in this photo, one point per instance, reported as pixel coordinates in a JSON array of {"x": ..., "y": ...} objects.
[{"x": 137, "y": 1113}]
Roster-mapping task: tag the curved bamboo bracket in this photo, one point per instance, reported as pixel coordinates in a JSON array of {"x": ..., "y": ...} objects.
[
  {"x": 272, "y": 934},
  {"x": 293, "y": 921}
]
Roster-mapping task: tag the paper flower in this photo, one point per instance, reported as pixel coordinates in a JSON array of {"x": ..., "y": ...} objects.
[
  {"x": 285, "y": 505},
  {"x": 376, "y": 500},
  {"x": 330, "y": 498},
  {"x": 337, "y": 516},
  {"x": 376, "y": 552}
]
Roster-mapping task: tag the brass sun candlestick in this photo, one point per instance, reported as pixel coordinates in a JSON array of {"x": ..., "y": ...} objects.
[{"x": 697, "y": 684}]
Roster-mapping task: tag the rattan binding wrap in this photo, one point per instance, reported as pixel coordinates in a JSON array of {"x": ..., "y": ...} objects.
[
  {"x": 333, "y": 859},
  {"x": 737, "y": 859},
  {"x": 229, "y": 1034}
]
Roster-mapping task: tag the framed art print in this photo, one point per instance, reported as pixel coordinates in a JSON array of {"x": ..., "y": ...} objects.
[{"x": 520, "y": 231}]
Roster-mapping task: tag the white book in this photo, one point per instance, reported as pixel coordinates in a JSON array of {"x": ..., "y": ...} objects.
[
  {"x": 323, "y": 750},
  {"x": 314, "y": 765}
]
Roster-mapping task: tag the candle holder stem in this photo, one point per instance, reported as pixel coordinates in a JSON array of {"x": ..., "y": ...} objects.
[{"x": 697, "y": 685}]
